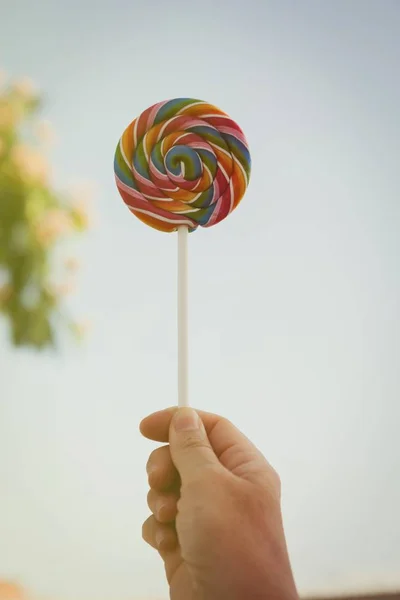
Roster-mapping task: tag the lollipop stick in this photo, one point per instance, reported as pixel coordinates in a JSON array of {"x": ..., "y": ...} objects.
[{"x": 183, "y": 349}]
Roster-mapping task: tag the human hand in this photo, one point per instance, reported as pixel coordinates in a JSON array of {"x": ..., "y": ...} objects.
[{"x": 216, "y": 511}]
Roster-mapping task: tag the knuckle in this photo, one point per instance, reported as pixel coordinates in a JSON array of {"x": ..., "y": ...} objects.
[
  {"x": 272, "y": 486},
  {"x": 221, "y": 424},
  {"x": 275, "y": 480},
  {"x": 156, "y": 466},
  {"x": 150, "y": 498},
  {"x": 226, "y": 422},
  {"x": 146, "y": 529},
  {"x": 158, "y": 455},
  {"x": 150, "y": 462},
  {"x": 191, "y": 442},
  {"x": 153, "y": 457}
]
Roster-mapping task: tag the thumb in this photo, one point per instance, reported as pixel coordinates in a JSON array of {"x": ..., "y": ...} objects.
[{"x": 190, "y": 448}]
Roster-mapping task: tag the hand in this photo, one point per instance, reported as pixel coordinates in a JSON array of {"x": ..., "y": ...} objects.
[{"x": 216, "y": 511}]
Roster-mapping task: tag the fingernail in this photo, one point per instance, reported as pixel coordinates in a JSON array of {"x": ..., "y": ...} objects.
[
  {"x": 186, "y": 419},
  {"x": 150, "y": 468},
  {"x": 159, "y": 538}
]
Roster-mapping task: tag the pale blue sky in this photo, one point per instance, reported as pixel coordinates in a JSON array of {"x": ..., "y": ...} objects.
[{"x": 294, "y": 298}]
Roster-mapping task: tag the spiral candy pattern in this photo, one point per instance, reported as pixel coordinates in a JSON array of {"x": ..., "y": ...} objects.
[{"x": 182, "y": 162}]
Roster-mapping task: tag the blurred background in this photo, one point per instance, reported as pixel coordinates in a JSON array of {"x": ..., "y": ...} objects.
[{"x": 294, "y": 300}]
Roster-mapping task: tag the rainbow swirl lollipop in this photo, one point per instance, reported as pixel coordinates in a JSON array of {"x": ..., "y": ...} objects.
[{"x": 182, "y": 162}]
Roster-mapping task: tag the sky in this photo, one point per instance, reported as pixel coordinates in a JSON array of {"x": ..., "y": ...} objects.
[{"x": 294, "y": 299}]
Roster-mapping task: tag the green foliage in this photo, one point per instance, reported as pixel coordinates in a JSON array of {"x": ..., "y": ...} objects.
[{"x": 34, "y": 219}]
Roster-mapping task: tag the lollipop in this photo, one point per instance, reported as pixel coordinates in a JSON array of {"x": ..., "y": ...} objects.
[{"x": 182, "y": 164}]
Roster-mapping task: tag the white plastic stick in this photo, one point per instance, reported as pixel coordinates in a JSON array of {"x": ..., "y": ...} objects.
[{"x": 183, "y": 345}]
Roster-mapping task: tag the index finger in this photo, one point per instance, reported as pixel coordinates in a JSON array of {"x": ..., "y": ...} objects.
[{"x": 226, "y": 440}]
